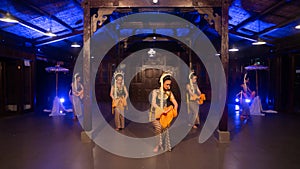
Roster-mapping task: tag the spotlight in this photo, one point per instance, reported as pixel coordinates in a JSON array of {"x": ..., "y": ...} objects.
[
  {"x": 259, "y": 42},
  {"x": 62, "y": 100},
  {"x": 155, "y": 1},
  {"x": 8, "y": 18},
  {"x": 247, "y": 100},
  {"x": 237, "y": 107},
  {"x": 75, "y": 45},
  {"x": 233, "y": 50},
  {"x": 237, "y": 100}
]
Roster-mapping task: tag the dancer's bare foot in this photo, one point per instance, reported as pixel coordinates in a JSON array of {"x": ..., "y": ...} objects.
[{"x": 155, "y": 150}]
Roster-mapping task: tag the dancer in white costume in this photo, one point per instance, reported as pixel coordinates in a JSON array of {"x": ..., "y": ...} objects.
[
  {"x": 77, "y": 95},
  {"x": 193, "y": 100},
  {"x": 163, "y": 109},
  {"x": 245, "y": 94}
]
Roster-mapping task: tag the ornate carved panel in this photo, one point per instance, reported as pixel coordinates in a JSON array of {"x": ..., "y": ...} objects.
[
  {"x": 212, "y": 18},
  {"x": 99, "y": 18}
]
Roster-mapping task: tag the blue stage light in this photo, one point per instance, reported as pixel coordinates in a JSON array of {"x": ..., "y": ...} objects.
[
  {"x": 247, "y": 100},
  {"x": 237, "y": 107},
  {"x": 62, "y": 100},
  {"x": 237, "y": 100}
]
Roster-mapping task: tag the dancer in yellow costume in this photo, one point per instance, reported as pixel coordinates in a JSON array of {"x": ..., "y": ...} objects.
[{"x": 119, "y": 94}]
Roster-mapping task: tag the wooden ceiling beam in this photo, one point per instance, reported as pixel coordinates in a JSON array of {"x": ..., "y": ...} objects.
[
  {"x": 161, "y": 3},
  {"x": 243, "y": 36},
  {"x": 58, "y": 38},
  {"x": 27, "y": 24},
  {"x": 265, "y": 12},
  {"x": 13, "y": 38},
  {"x": 282, "y": 24},
  {"x": 77, "y": 4},
  {"x": 44, "y": 13},
  {"x": 288, "y": 42}
]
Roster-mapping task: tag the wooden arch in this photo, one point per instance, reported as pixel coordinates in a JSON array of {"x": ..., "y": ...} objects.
[{"x": 105, "y": 7}]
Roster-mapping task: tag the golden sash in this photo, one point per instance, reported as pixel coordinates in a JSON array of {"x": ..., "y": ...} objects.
[
  {"x": 121, "y": 101},
  {"x": 166, "y": 119},
  {"x": 200, "y": 99}
]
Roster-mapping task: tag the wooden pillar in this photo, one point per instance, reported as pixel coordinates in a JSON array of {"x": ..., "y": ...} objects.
[
  {"x": 223, "y": 134},
  {"x": 277, "y": 76},
  {"x": 1, "y": 87},
  {"x": 291, "y": 84},
  {"x": 87, "y": 115},
  {"x": 21, "y": 89}
]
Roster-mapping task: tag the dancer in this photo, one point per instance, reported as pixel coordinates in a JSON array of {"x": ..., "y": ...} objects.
[
  {"x": 77, "y": 95},
  {"x": 119, "y": 94},
  {"x": 246, "y": 94},
  {"x": 194, "y": 98},
  {"x": 164, "y": 107}
]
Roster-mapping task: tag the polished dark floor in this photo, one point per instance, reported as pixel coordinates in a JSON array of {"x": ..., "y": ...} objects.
[{"x": 37, "y": 141}]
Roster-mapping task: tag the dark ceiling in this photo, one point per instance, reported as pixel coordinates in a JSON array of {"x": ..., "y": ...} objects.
[{"x": 270, "y": 20}]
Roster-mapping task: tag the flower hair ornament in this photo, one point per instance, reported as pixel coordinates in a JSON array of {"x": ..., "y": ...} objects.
[{"x": 116, "y": 74}]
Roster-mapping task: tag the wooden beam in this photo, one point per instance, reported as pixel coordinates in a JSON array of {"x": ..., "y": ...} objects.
[
  {"x": 77, "y": 4},
  {"x": 13, "y": 37},
  {"x": 285, "y": 23},
  {"x": 161, "y": 3},
  {"x": 13, "y": 52},
  {"x": 235, "y": 33},
  {"x": 58, "y": 38},
  {"x": 288, "y": 43},
  {"x": 42, "y": 12},
  {"x": 26, "y": 24},
  {"x": 265, "y": 12}
]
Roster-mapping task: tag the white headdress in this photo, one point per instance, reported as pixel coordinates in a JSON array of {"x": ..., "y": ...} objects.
[
  {"x": 116, "y": 74},
  {"x": 245, "y": 77},
  {"x": 191, "y": 82},
  {"x": 75, "y": 82},
  {"x": 161, "y": 81}
]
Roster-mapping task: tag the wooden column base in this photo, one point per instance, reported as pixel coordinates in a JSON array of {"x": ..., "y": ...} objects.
[
  {"x": 223, "y": 136},
  {"x": 85, "y": 138}
]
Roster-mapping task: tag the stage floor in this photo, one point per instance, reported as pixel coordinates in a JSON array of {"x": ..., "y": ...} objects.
[{"x": 37, "y": 141}]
